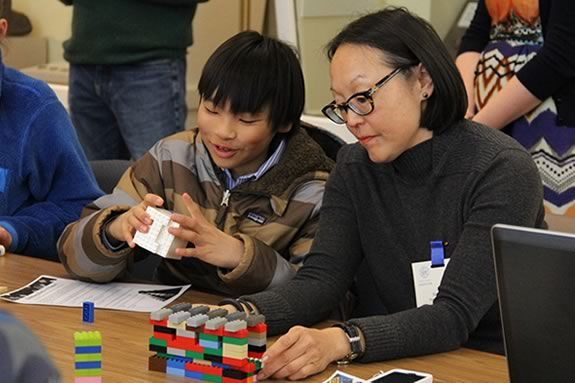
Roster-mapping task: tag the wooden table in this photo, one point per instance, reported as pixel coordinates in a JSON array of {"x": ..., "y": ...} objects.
[{"x": 125, "y": 338}]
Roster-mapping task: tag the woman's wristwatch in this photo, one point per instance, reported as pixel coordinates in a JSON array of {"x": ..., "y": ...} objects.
[{"x": 353, "y": 335}]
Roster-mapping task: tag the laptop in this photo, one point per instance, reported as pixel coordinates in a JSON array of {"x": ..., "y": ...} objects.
[{"x": 535, "y": 272}]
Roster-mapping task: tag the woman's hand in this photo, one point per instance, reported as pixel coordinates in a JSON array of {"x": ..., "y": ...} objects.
[
  {"x": 211, "y": 245},
  {"x": 125, "y": 225},
  {"x": 303, "y": 352}
]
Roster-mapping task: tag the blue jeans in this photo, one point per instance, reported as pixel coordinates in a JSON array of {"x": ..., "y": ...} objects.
[{"x": 120, "y": 111}]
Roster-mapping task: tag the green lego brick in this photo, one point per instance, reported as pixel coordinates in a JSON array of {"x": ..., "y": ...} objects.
[
  {"x": 87, "y": 357},
  {"x": 236, "y": 341},
  {"x": 194, "y": 355},
  {"x": 87, "y": 338},
  {"x": 212, "y": 378},
  {"x": 210, "y": 337},
  {"x": 212, "y": 351},
  {"x": 158, "y": 342},
  {"x": 88, "y": 372}
]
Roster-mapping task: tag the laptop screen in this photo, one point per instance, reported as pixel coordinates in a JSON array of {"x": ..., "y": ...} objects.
[{"x": 535, "y": 272}]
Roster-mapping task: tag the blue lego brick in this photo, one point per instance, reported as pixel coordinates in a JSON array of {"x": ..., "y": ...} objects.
[
  {"x": 175, "y": 371},
  {"x": 87, "y": 365},
  {"x": 194, "y": 375},
  {"x": 88, "y": 312},
  {"x": 210, "y": 344},
  {"x": 88, "y": 350}
]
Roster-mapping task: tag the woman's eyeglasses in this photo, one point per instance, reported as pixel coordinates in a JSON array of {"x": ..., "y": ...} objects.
[{"x": 360, "y": 103}]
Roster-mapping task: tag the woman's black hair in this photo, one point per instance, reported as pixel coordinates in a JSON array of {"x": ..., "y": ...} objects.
[
  {"x": 252, "y": 72},
  {"x": 406, "y": 39}
]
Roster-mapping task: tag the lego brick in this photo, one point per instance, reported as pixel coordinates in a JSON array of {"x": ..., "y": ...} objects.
[
  {"x": 217, "y": 313},
  {"x": 165, "y": 330},
  {"x": 88, "y": 350},
  {"x": 254, "y": 320},
  {"x": 155, "y": 348},
  {"x": 257, "y": 348},
  {"x": 235, "y": 326},
  {"x": 181, "y": 333},
  {"x": 88, "y": 379},
  {"x": 234, "y": 374},
  {"x": 214, "y": 358},
  {"x": 88, "y": 372},
  {"x": 178, "y": 318},
  {"x": 194, "y": 355},
  {"x": 237, "y": 334},
  {"x": 157, "y": 239},
  {"x": 88, "y": 312},
  {"x": 87, "y": 338},
  {"x": 215, "y": 323},
  {"x": 88, "y": 365},
  {"x": 164, "y": 336},
  {"x": 196, "y": 321},
  {"x": 184, "y": 306},
  {"x": 161, "y": 314},
  {"x": 260, "y": 327},
  {"x": 182, "y": 343},
  {"x": 87, "y": 357},
  {"x": 214, "y": 351},
  {"x": 158, "y": 342},
  {"x": 209, "y": 344},
  {"x": 218, "y": 332},
  {"x": 238, "y": 315},
  {"x": 194, "y": 375},
  {"x": 236, "y": 341},
  {"x": 203, "y": 309},
  {"x": 175, "y": 371},
  {"x": 176, "y": 351},
  {"x": 257, "y": 342}
]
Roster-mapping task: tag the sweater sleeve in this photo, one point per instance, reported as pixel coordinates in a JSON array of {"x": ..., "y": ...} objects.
[
  {"x": 328, "y": 270},
  {"x": 82, "y": 249},
  {"x": 476, "y": 36},
  {"x": 554, "y": 64},
  {"x": 261, "y": 265},
  {"x": 59, "y": 181}
]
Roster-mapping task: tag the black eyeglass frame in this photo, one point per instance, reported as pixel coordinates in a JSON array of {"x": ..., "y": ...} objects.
[{"x": 330, "y": 109}]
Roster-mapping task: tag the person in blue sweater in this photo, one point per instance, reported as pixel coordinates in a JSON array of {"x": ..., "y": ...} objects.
[
  {"x": 23, "y": 358},
  {"x": 45, "y": 179}
]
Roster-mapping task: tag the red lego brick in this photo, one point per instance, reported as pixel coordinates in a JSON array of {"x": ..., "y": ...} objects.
[
  {"x": 163, "y": 323},
  {"x": 163, "y": 335},
  {"x": 238, "y": 334},
  {"x": 259, "y": 328}
]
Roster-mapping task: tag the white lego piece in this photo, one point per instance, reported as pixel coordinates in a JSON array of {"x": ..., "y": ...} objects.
[
  {"x": 157, "y": 239},
  {"x": 2, "y": 250}
]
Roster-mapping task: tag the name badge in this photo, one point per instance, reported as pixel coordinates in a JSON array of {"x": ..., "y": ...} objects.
[{"x": 426, "y": 281}]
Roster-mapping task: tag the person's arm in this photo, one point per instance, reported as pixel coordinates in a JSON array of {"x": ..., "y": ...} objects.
[
  {"x": 473, "y": 42},
  {"x": 84, "y": 247},
  {"x": 552, "y": 68},
  {"x": 245, "y": 263},
  {"x": 59, "y": 181},
  {"x": 67, "y": 2},
  {"x": 466, "y": 64},
  {"x": 513, "y": 101}
]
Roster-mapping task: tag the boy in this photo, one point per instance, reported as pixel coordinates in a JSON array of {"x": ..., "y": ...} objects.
[{"x": 245, "y": 186}]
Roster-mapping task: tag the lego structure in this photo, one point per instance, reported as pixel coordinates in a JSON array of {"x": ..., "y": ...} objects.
[
  {"x": 87, "y": 357},
  {"x": 157, "y": 240},
  {"x": 209, "y": 346}
]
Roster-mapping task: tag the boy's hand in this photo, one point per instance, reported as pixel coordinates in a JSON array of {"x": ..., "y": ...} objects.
[
  {"x": 5, "y": 238},
  {"x": 125, "y": 225},
  {"x": 212, "y": 245}
]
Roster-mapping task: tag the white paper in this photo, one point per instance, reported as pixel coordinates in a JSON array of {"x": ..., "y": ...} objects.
[
  {"x": 342, "y": 377},
  {"x": 426, "y": 281},
  {"x": 54, "y": 291}
]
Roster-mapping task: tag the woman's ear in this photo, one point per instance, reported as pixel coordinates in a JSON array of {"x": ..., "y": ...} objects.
[
  {"x": 3, "y": 28},
  {"x": 425, "y": 82}
]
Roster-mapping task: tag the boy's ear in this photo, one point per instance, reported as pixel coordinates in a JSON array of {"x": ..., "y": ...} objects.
[
  {"x": 285, "y": 128},
  {"x": 3, "y": 28}
]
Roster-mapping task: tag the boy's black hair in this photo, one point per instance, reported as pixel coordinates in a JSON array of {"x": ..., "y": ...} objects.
[
  {"x": 405, "y": 40},
  {"x": 252, "y": 72}
]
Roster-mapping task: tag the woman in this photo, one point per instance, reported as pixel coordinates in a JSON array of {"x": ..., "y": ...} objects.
[
  {"x": 421, "y": 180},
  {"x": 45, "y": 180},
  {"x": 517, "y": 60}
]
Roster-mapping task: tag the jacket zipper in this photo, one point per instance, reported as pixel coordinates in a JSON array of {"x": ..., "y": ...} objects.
[{"x": 221, "y": 217}]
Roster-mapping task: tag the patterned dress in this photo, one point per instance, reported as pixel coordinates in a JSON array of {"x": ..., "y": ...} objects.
[{"x": 515, "y": 38}]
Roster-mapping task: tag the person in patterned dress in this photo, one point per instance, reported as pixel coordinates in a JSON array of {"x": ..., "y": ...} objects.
[{"x": 517, "y": 60}]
